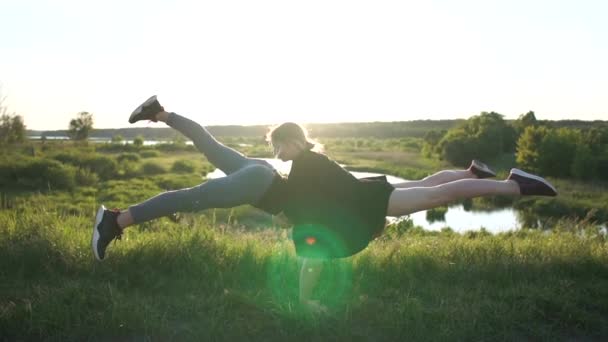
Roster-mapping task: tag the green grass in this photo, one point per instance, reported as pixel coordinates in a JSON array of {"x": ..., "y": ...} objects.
[
  {"x": 197, "y": 280},
  {"x": 232, "y": 274}
]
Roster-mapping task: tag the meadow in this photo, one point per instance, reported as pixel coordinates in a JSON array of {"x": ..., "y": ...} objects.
[{"x": 232, "y": 274}]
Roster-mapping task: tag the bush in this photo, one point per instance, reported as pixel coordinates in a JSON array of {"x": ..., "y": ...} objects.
[
  {"x": 153, "y": 168},
  {"x": 86, "y": 177},
  {"x": 128, "y": 169},
  {"x": 171, "y": 147},
  {"x": 133, "y": 157},
  {"x": 183, "y": 166},
  {"x": 138, "y": 141},
  {"x": 149, "y": 154},
  {"x": 38, "y": 174},
  {"x": 104, "y": 166},
  {"x": 69, "y": 158}
]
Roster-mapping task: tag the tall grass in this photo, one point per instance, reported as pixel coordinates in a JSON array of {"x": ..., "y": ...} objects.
[
  {"x": 192, "y": 280},
  {"x": 232, "y": 274}
]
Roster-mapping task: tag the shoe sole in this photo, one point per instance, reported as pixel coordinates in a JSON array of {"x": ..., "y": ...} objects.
[
  {"x": 141, "y": 107},
  {"x": 483, "y": 167},
  {"x": 95, "y": 238},
  {"x": 531, "y": 176}
]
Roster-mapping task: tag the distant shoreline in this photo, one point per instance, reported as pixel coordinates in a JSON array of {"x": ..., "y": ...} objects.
[{"x": 397, "y": 129}]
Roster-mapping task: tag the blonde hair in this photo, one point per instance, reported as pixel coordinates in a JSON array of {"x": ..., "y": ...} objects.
[{"x": 292, "y": 132}]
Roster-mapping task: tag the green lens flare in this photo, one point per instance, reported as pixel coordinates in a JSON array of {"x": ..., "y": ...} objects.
[{"x": 316, "y": 242}]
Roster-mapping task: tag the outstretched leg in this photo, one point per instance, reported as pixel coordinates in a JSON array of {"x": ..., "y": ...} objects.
[
  {"x": 245, "y": 186},
  {"x": 476, "y": 170},
  {"x": 410, "y": 200},
  {"x": 221, "y": 156},
  {"x": 438, "y": 178}
]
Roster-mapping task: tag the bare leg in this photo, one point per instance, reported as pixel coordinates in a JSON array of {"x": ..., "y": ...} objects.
[
  {"x": 438, "y": 178},
  {"x": 410, "y": 200}
]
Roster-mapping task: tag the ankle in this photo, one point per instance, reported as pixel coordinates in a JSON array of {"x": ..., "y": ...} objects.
[
  {"x": 513, "y": 187},
  {"x": 471, "y": 174},
  {"x": 124, "y": 219},
  {"x": 162, "y": 116}
]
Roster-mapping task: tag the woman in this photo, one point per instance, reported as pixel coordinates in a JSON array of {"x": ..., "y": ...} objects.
[{"x": 334, "y": 214}]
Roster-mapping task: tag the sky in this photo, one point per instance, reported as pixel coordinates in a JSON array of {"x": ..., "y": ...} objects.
[{"x": 266, "y": 62}]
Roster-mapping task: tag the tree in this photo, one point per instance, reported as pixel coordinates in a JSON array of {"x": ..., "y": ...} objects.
[
  {"x": 525, "y": 120},
  {"x": 552, "y": 152},
  {"x": 528, "y": 147},
  {"x": 557, "y": 151},
  {"x": 81, "y": 126},
  {"x": 483, "y": 136},
  {"x": 117, "y": 139},
  {"x": 138, "y": 141},
  {"x": 12, "y": 128}
]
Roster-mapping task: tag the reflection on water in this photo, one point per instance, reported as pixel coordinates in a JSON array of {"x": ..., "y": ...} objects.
[
  {"x": 457, "y": 217},
  {"x": 108, "y": 140},
  {"x": 461, "y": 220}
]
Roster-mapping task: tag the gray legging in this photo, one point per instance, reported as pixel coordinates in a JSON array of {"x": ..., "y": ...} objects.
[{"x": 246, "y": 181}]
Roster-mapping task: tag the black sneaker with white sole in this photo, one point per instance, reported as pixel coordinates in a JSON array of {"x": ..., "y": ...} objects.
[
  {"x": 146, "y": 110},
  {"x": 531, "y": 185},
  {"x": 105, "y": 230},
  {"x": 481, "y": 170}
]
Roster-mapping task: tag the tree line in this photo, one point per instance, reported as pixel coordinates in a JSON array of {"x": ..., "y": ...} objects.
[{"x": 570, "y": 151}]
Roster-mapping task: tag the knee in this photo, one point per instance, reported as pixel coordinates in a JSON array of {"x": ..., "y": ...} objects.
[
  {"x": 260, "y": 171},
  {"x": 265, "y": 164}
]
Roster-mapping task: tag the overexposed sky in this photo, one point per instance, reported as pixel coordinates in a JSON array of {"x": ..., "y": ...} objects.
[{"x": 264, "y": 62}]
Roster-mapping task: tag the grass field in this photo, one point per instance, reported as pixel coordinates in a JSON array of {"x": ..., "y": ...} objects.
[
  {"x": 232, "y": 274},
  {"x": 195, "y": 280}
]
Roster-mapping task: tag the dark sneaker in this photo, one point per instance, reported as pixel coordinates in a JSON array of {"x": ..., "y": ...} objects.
[
  {"x": 105, "y": 230},
  {"x": 146, "y": 111},
  {"x": 531, "y": 185},
  {"x": 481, "y": 170}
]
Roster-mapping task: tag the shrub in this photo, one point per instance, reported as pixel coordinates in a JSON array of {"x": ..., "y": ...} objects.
[
  {"x": 133, "y": 157},
  {"x": 183, "y": 166},
  {"x": 149, "y": 154},
  {"x": 69, "y": 158},
  {"x": 38, "y": 174},
  {"x": 152, "y": 168},
  {"x": 106, "y": 167},
  {"x": 138, "y": 141},
  {"x": 171, "y": 147},
  {"x": 128, "y": 169},
  {"x": 86, "y": 177}
]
